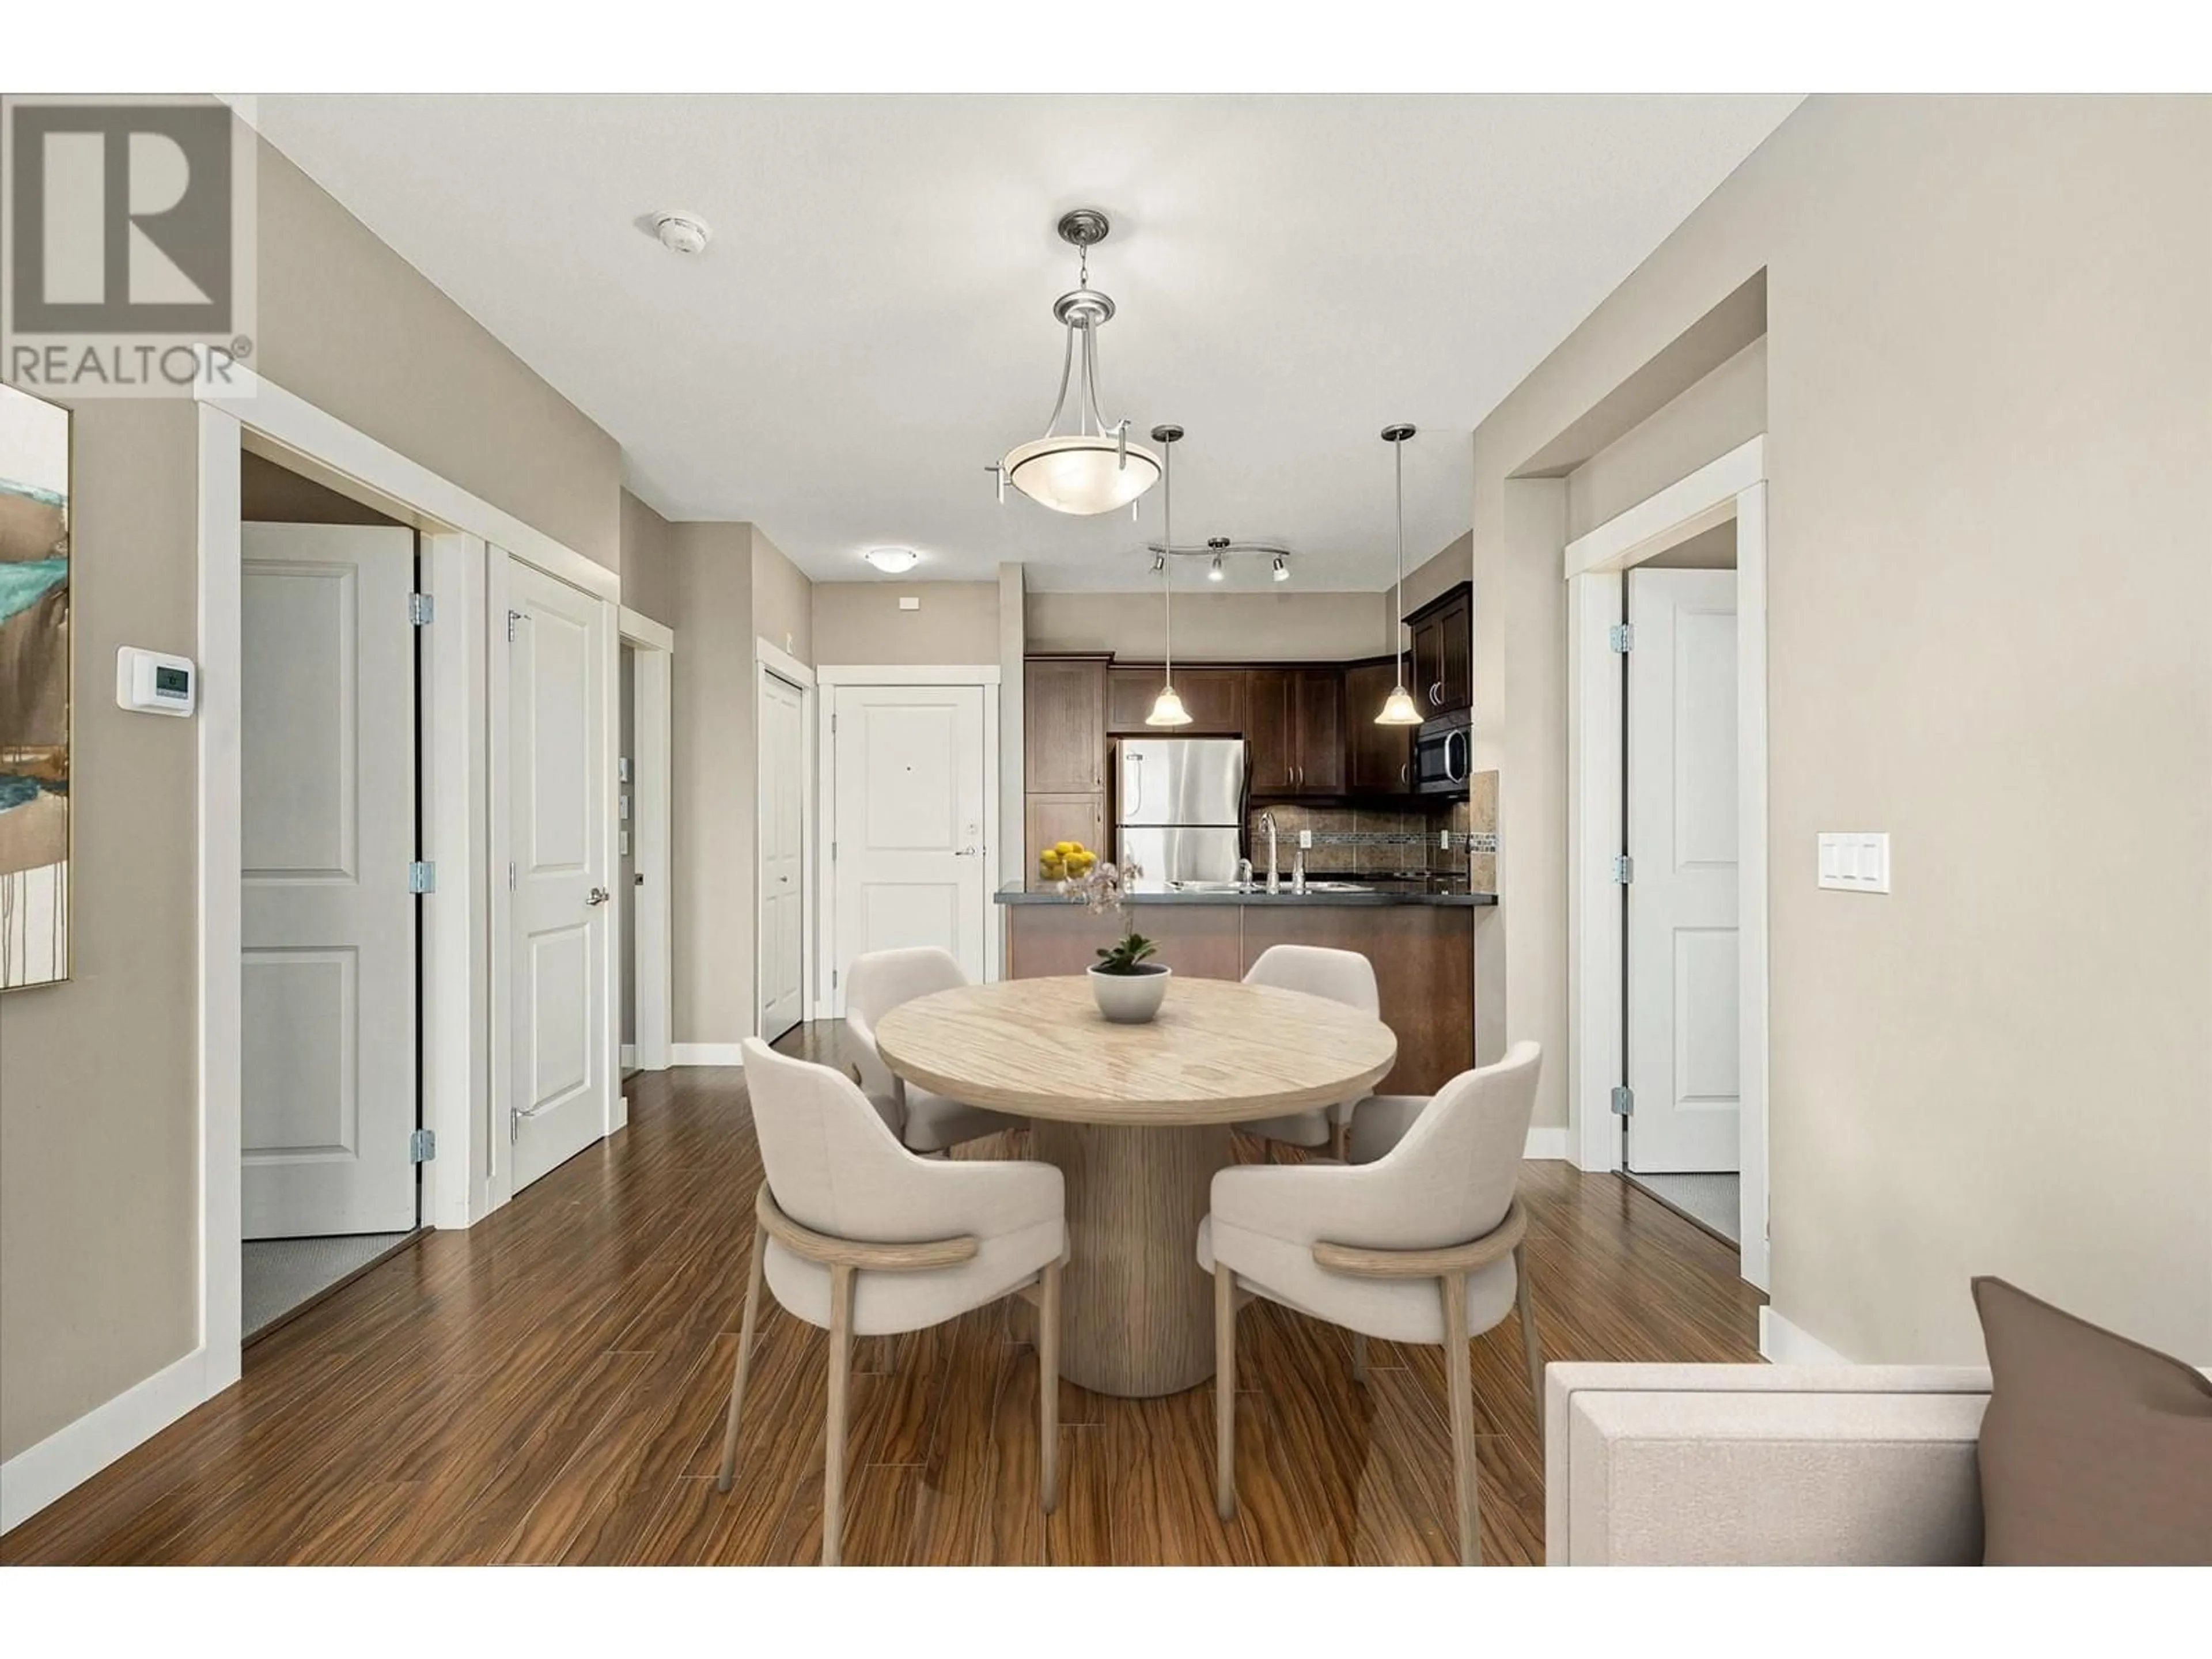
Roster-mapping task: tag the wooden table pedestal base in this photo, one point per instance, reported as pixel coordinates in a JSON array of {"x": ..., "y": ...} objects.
[{"x": 1136, "y": 1310}]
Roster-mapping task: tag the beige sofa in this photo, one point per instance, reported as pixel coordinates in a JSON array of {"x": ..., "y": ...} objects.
[{"x": 1762, "y": 1465}]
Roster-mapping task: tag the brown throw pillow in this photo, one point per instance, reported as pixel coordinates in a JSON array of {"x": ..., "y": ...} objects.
[{"x": 2095, "y": 1451}]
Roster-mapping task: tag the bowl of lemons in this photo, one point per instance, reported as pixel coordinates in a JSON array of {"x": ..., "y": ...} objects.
[{"x": 1066, "y": 860}]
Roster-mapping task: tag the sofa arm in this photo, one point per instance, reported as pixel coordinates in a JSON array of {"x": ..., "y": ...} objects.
[{"x": 1753, "y": 1465}]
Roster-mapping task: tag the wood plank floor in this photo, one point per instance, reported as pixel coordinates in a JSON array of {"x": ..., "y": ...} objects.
[{"x": 547, "y": 1387}]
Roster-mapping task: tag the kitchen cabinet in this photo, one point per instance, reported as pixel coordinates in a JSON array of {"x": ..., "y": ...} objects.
[
  {"x": 1443, "y": 653},
  {"x": 1294, "y": 718},
  {"x": 1064, "y": 721},
  {"x": 1213, "y": 698},
  {"x": 1051, "y": 819},
  {"x": 1377, "y": 759}
]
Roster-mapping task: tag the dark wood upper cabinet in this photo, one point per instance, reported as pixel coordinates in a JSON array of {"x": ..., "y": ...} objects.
[
  {"x": 1443, "y": 665},
  {"x": 1064, "y": 723},
  {"x": 1377, "y": 759},
  {"x": 1294, "y": 718},
  {"x": 1213, "y": 698}
]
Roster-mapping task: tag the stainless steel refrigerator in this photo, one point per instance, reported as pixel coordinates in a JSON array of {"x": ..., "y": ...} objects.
[{"x": 1180, "y": 807}]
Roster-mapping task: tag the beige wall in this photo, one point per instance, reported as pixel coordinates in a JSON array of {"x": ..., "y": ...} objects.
[
  {"x": 1986, "y": 371},
  {"x": 783, "y": 602},
  {"x": 1456, "y": 564},
  {"x": 1724, "y": 409},
  {"x": 648, "y": 575},
  {"x": 1213, "y": 626},
  {"x": 1013, "y": 746},
  {"x": 352, "y": 328},
  {"x": 861, "y": 623},
  {"x": 99, "y": 1118}
]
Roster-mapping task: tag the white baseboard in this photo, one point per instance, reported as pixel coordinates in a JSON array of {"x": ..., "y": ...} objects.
[
  {"x": 1547, "y": 1144},
  {"x": 38, "y": 1474},
  {"x": 706, "y": 1053},
  {"x": 1781, "y": 1343}
]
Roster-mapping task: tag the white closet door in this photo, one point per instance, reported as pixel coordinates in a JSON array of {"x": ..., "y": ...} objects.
[
  {"x": 1683, "y": 1056},
  {"x": 909, "y": 821},
  {"x": 561, "y": 1071},
  {"x": 783, "y": 784},
  {"x": 327, "y": 691}
]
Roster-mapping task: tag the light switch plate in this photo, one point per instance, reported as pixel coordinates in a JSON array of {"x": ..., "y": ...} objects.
[
  {"x": 1305, "y": 838},
  {"x": 1855, "y": 861}
]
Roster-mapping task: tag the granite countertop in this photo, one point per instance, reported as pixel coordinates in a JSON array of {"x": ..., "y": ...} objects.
[{"x": 1030, "y": 893}]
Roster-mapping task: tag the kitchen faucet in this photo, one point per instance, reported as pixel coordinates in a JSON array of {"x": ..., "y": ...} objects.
[{"x": 1275, "y": 880}]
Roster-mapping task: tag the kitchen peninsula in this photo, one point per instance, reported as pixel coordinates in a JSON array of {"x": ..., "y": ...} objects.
[{"x": 1422, "y": 945}]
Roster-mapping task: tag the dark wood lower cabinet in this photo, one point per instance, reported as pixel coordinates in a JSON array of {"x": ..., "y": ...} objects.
[
  {"x": 1053, "y": 818},
  {"x": 1423, "y": 957}
]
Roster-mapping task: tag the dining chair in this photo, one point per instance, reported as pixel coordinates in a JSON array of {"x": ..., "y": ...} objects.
[
  {"x": 1343, "y": 976},
  {"x": 1422, "y": 1243},
  {"x": 859, "y": 1236},
  {"x": 877, "y": 983}
]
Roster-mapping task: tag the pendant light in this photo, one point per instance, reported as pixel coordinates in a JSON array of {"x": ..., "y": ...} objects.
[
  {"x": 1095, "y": 468},
  {"x": 1398, "y": 708},
  {"x": 1167, "y": 707}
]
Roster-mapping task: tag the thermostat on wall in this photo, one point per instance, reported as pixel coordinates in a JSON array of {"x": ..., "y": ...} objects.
[{"x": 149, "y": 682}]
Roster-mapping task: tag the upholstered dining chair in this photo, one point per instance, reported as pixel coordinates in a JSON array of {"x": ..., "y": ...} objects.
[
  {"x": 877, "y": 983},
  {"x": 1343, "y": 976},
  {"x": 857, "y": 1235},
  {"x": 1421, "y": 1243}
]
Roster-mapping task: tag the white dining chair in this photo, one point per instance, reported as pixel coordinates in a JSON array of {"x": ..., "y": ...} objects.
[
  {"x": 1420, "y": 1243},
  {"x": 859, "y": 1236},
  {"x": 877, "y": 983},
  {"x": 1343, "y": 976}
]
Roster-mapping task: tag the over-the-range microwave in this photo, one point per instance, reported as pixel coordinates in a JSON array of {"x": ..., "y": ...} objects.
[{"x": 1444, "y": 749}]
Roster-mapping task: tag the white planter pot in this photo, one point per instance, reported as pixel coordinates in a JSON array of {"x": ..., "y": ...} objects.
[{"x": 1130, "y": 999}]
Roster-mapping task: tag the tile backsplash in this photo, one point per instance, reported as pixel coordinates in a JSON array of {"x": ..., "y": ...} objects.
[{"x": 1364, "y": 840}]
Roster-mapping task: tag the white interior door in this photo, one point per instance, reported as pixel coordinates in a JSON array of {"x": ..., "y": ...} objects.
[
  {"x": 329, "y": 1088},
  {"x": 783, "y": 785},
  {"x": 908, "y": 828},
  {"x": 1683, "y": 1056},
  {"x": 561, "y": 1071}
]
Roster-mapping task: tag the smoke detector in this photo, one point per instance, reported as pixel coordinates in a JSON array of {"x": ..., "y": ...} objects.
[{"x": 681, "y": 232}]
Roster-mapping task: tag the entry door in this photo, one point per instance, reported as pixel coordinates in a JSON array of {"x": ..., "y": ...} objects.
[
  {"x": 783, "y": 784},
  {"x": 908, "y": 833},
  {"x": 1682, "y": 956},
  {"x": 561, "y": 1073},
  {"x": 327, "y": 689}
]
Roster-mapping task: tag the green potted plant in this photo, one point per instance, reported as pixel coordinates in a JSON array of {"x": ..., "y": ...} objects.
[{"x": 1127, "y": 986}]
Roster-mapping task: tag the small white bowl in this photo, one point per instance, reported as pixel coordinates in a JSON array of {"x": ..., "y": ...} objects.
[{"x": 1131, "y": 999}]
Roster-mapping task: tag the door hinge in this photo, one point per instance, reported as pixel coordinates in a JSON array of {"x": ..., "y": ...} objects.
[
  {"x": 1624, "y": 869},
  {"x": 833, "y": 852},
  {"x": 1621, "y": 636},
  {"x": 421, "y": 877},
  {"x": 422, "y": 1146},
  {"x": 512, "y": 618},
  {"x": 514, "y": 1125},
  {"x": 1624, "y": 1100},
  {"x": 833, "y": 978},
  {"x": 421, "y": 608},
  {"x": 833, "y": 724},
  {"x": 510, "y": 875}
]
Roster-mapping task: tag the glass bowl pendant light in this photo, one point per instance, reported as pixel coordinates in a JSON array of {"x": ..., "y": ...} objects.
[
  {"x": 1095, "y": 468},
  {"x": 1398, "y": 708},
  {"x": 1167, "y": 707}
]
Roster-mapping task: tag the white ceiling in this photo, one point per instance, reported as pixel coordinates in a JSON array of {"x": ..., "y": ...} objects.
[{"x": 872, "y": 325}]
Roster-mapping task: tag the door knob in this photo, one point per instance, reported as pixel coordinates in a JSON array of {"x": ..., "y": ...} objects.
[
  {"x": 963, "y": 853},
  {"x": 598, "y": 896}
]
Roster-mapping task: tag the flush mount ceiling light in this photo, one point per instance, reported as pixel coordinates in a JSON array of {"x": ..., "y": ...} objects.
[
  {"x": 1398, "y": 708},
  {"x": 892, "y": 561},
  {"x": 682, "y": 232},
  {"x": 1095, "y": 468},
  {"x": 1167, "y": 707}
]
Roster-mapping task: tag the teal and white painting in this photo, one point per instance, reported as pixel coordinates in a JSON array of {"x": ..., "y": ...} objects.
[{"x": 35, "y": 691}]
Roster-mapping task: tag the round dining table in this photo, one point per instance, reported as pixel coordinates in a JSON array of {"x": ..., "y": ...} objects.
[{"x": 1137, "y": 1118}]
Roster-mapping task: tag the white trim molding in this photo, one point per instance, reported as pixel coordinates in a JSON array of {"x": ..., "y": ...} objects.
[
  {"x": 707, "y": 1053},
  {"x": 770, "y": 662},
  {"x": 653, "y": 962},
  {"x": 638, "y": 628},
  {"x": 1781, "y": 1343},
  {"x": 1683, "y": 509},
  {"x": 783, "y": 663},
  {"x": 36, "y": 1476},
  {"x": 985, "y": 673}
]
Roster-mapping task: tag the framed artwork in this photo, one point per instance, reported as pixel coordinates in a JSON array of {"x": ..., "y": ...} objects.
[{"x": 35, "y": 691}]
